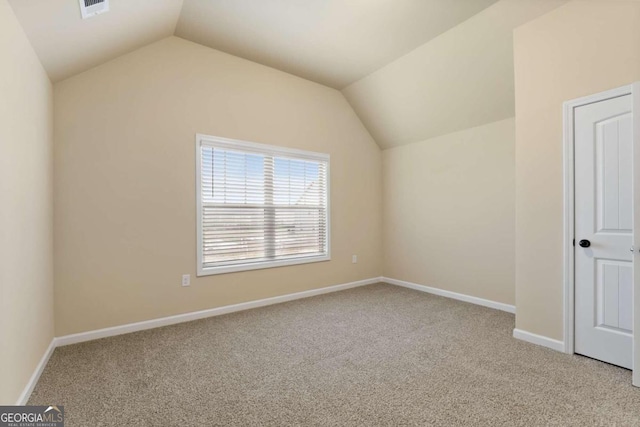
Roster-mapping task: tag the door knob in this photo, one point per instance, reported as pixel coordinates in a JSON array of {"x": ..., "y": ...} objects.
[{"x": 584, "y": 243}]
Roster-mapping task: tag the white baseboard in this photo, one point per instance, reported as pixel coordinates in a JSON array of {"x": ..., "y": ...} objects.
[
  {"x": 187, "y": 317},
  {"x": 539, "y": 340},
  {"x": 172, "y": 320},
  {"x": 31, "y": 384},
  {"x": 461, "y": 297},
  {"x": 196, "y": 315},
  {"x": 517, "y": 333}
]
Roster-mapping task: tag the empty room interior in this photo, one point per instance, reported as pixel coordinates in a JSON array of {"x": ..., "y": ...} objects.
[{"x": 319, "y": 212}]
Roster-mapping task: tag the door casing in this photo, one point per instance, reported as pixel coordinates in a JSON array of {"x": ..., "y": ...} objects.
[{"x": 569, "y": 214}]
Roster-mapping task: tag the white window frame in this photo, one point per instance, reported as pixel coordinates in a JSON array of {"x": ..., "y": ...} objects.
[{"x": 261, "y": 149}]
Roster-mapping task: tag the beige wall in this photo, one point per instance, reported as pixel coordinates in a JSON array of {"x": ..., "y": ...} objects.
[
  {"x": 125, "y": 220},
  {"x": 449, "y": 212},
  {"x": 579, "y": 49},
  {"x": 26, "y": 229}
]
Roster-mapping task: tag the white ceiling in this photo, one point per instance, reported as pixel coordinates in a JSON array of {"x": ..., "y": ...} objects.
[
  {"x": 461, "y": 79},
  {"x": 412, "y": 69},
  {"x": 333, "y": 42},
  {"x": 66, "y": 44}
]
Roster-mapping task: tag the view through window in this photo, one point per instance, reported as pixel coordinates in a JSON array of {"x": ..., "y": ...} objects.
[{"x": 260, "y": 206}]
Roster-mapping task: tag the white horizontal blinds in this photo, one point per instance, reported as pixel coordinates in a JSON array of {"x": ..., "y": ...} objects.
[
  {"x": 299, "y": 196},
  {"x": 259, "y": 207},
  {"x": 233, "y": 210}
]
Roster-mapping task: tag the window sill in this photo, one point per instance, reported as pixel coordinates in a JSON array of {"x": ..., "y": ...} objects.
[{"x": 209, "y": 271}]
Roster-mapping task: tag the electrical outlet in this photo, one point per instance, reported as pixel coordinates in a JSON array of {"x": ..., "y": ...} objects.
[
  {"x": 354, "y": 259},
  {"x": 186, "y": 280}
]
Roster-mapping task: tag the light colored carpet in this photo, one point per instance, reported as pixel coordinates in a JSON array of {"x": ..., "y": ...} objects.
[{"x": 376, "y": 355}]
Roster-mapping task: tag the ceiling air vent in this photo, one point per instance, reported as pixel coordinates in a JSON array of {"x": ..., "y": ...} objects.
[{"x": 91, "y": 8}]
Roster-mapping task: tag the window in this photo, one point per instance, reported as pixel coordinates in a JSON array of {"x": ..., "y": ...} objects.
[{"x": 259, "y": 206}]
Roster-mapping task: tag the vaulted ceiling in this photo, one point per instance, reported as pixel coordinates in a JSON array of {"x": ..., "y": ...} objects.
[
  {"x": 461, "y": 79},
  {"x": 412, "y": 69},
  {"x": 333, "y": 42},
  {"x": 67, "y": 45}
]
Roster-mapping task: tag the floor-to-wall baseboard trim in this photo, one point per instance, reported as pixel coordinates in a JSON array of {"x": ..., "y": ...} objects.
[
  {"x": 187, "y": 317},
  {"x": 454, "y": 295},
  {"x": 196, "y": 315},
  {"x": 539, "y": 340},
  {"x": 172, "y": 320},
  {"x": 26, "y": 393}
]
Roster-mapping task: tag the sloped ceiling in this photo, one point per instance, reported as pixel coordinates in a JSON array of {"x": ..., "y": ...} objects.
[
  {"x": 412, "y": 69},
  {"x": 67, "y": 44},
  {"x": 333, "y": 42},
  {"x": 461, "y": 79}
]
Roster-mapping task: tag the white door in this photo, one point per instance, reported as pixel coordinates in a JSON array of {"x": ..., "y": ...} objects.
[{"x": 604, "y": 230}]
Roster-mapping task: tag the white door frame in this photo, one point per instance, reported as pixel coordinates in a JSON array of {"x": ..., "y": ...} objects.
[{"x": 569, "y": 212}]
